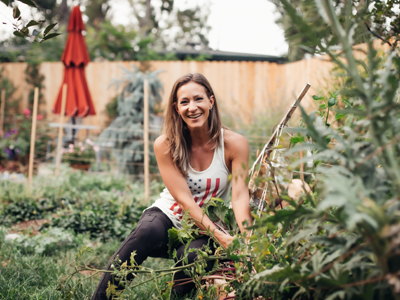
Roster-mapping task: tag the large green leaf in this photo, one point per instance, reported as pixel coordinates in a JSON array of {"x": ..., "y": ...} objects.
[
  {"x": 16, "y": 12},
  {"x": 48, "y": 28}
]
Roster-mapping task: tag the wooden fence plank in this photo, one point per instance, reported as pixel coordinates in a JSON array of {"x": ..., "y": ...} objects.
[{"x": 243, "y": 89}]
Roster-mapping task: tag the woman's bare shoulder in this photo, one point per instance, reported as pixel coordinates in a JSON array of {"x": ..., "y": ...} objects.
[
  {"x": 161, "y": 143},
  {"x": 233, "y": 138},
  {"x": 235, "y": 142}
]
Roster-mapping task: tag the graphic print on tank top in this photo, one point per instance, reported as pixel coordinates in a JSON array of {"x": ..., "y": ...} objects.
[{"x": 202, "y": 189}]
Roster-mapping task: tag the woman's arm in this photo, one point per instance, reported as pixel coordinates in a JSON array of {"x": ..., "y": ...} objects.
[
  {"x": 177, "y": 186},
  {"x": 239, "y": 154}
]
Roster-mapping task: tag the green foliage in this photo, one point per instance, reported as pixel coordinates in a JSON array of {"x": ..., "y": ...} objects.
[
  {"x": 15, "y": 142},
  {"x": 112, "y": 219},
  {"x": 111, "y": 42},
  {"x": 6, "y": 84},
  {"x": 125, "y": 133},
  {"x": 375, "y": 16},
  {"x": 336, "y": 242},
  {"x": 34, "y": 79},
  {"x": 23, "y": 31},
  {"x": 103, "y": 206}
]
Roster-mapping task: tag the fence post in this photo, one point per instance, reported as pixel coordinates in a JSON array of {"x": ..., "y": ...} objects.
[
  {"x": 33, "y": 135},
  {"x": 2, "y": 107},
  {"x": 146, "y": 140},
  {"x": 60, "y": 129}
]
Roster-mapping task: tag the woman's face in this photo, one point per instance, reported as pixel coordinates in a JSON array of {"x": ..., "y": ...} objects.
[{"x": 193, "y": 105}]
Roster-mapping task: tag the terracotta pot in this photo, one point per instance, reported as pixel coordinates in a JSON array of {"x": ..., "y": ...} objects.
[{"x": 83, "y": 167}]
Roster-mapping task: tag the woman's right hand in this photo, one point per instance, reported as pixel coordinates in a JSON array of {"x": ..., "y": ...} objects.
[{"x": 224, "y": 239}]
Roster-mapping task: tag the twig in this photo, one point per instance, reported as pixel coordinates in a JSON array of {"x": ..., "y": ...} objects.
[
  {"x": 377, "y": 151},
  {"x": 343, "y": 257},
  {"x": 378, "y": 36}
]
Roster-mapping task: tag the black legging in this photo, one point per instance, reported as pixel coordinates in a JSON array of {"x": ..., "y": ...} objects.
[{"x": 150, "y": 238}]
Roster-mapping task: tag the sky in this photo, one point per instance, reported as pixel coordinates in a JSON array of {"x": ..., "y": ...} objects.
[
  {"x": 236, "y": 25},
  {"x": 246, "y": 26}
]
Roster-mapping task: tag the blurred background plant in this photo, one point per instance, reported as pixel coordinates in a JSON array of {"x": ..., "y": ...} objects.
[
  {"x": 15, "y": 142},
  {"x": 161, "y": 28},
  {"x": 125, "y": 133},
  {"x": 80, "y": 153}
]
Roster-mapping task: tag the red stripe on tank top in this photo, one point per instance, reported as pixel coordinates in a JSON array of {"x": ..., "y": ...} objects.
[
  {"x": 207, "y": 191},
  {"x": 216, "y": 188},
  {"x": 173, "y": 206}
]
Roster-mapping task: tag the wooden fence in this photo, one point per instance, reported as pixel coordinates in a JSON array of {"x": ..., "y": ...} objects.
[{"x": 243, "y": 89}]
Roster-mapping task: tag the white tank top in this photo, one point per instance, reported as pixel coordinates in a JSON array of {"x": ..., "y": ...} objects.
[{"x": 212, "y": 182}]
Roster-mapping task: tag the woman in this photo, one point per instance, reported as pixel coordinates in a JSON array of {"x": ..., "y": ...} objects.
[{"x": 195, "y": 156}]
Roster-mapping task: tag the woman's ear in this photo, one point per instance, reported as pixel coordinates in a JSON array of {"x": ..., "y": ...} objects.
[
  {"x": 212, "y": 100},
  {"x": 176, "y": 108}
]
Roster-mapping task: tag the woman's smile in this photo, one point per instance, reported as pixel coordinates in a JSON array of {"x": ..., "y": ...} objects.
[{"x": 195, "y": 116}]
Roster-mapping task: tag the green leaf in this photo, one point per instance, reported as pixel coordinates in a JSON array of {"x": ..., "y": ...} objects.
[
  {"x": 315, "y": 97},
  {"x": 323, "y": 106},
  {"x": 25, "y": 30},
  {"x": 338, "y": 116},
  {"x": 28, "y": 2},
  {"x": 332, "y": 101},
  {"x": 51, "y": 35},
  {"x": 346, "y": 102},
  {"x": 16, "y": 12},
  {"x": 48, "y": 28},
  {"x": 297, "y": 139},
  {"x": 18, "y": 34},
  {"x": 6, "y": 2},
  {"x": 32, "y": 23}
]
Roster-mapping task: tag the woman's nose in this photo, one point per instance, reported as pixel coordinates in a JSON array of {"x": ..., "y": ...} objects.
[{"x": 192, "y": 106}]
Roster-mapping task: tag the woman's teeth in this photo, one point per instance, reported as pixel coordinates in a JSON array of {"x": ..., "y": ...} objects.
[{"x": 194, "y": 117}]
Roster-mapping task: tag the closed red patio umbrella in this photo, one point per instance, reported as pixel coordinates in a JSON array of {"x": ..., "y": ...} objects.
[{"x": 75, "y": 57}]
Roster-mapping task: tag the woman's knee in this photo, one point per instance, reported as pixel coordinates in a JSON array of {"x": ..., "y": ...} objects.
[{"x": 191, "y": 251}]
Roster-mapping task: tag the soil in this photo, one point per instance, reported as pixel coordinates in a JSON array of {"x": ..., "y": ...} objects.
[{"x": 31, "y": 227}]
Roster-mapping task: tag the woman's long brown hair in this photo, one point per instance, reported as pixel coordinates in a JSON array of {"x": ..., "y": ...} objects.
[{"x": 176, "y": 130}]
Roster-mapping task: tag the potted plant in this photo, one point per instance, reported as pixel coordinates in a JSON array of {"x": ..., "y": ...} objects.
[{"x": 81, "y": 155}]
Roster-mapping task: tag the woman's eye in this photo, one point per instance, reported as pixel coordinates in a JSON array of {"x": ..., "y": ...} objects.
[{"x": 199, "y": 99}]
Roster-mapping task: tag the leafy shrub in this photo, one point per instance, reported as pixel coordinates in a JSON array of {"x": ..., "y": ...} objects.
[
  {"x": 106, "y": 220},
  {"x": 104, "y": 206}
]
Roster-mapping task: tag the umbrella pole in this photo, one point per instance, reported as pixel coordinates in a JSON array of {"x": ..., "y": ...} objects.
[{"x": 73, "y": 122}]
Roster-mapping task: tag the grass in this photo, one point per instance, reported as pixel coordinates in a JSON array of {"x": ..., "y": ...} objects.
[{"x": 25, "y": 274}]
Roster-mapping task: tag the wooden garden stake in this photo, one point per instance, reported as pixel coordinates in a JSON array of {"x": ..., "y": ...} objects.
[
  {"x": 2, "y": 107},
  {"x": 270, "y": 149},
  {"x": 146, "y": 139},
  {"x": 33, "y": 134},
  {"x": 60, "y": 129}
]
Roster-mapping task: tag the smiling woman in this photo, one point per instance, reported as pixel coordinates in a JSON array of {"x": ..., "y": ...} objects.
[{"x": 196, "y": 156}]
